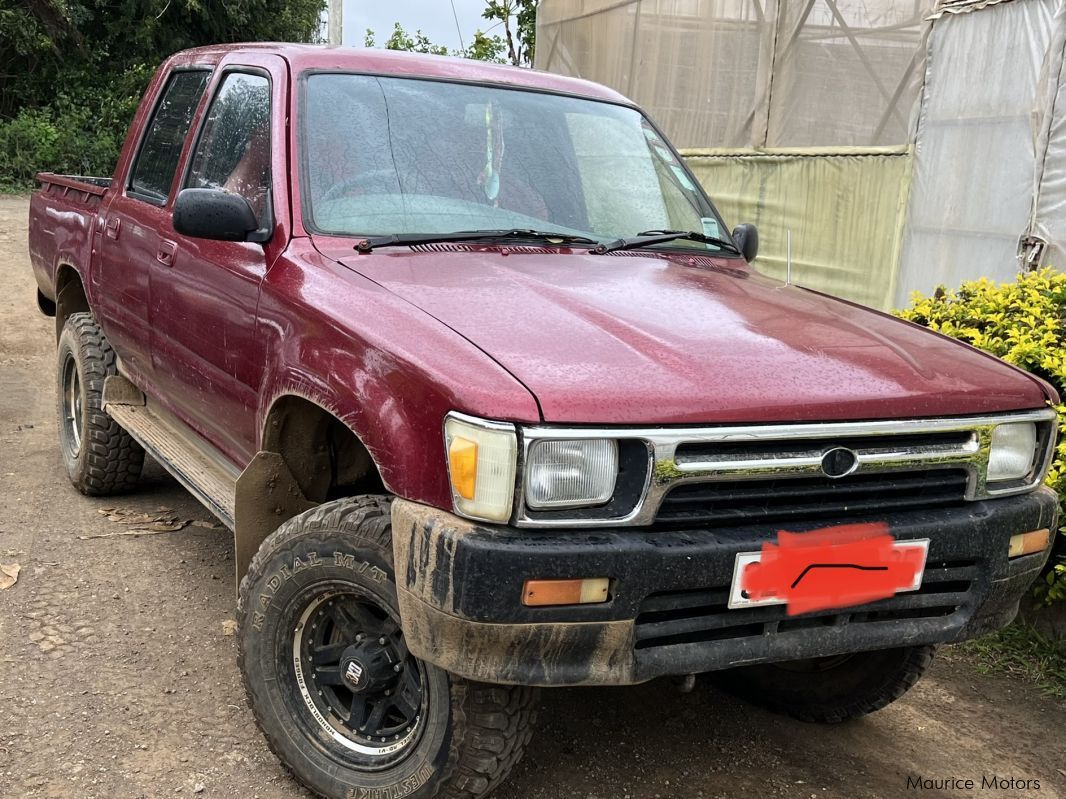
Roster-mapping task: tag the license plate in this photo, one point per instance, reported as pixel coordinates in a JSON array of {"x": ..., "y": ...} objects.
[{"x": 837, "y": 572}]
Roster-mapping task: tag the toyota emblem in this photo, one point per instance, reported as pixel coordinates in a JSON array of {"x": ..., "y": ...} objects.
[{"x": 839, "y": 462}]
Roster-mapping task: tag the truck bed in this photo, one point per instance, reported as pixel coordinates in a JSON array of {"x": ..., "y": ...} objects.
[{"x": 62, "y": 218}]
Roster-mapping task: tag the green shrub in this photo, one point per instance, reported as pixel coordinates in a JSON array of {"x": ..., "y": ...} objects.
[
  {"x": 40, "y": 139},
  {"x": 1024, "y": 323},
  {"x": 74, "y": 135}
]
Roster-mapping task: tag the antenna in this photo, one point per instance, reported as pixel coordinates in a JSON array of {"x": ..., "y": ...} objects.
[
  {"x": 458, "y": 30},
  {"x": 788, "y": 257}
]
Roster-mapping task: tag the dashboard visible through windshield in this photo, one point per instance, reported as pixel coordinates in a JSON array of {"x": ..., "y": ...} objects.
[{"x": 384, "y": 156}]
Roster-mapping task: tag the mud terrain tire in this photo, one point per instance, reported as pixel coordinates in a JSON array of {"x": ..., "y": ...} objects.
[
  {"x": 101, "y": 458},
  {"x": 323, "y": 579},
  {"x": 833, "y": 689}
]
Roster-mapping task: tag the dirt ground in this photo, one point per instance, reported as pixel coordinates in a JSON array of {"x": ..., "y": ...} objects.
[{"x": 118, "y": 680}]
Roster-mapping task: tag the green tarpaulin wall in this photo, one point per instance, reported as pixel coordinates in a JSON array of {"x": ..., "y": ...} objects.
[{"x": 845, "y": 207}]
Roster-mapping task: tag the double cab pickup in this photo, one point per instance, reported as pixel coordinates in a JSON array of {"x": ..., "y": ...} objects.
[{"x": 492, "y": 399}]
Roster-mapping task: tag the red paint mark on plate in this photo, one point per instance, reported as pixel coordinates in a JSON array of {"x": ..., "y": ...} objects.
[{"x": 835, "y": 567}]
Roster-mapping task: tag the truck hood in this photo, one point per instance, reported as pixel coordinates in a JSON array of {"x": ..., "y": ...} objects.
[{"x": 657, "y": 339}]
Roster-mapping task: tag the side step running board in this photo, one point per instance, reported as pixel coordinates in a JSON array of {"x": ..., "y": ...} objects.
[{"x": 200, "y": 468}]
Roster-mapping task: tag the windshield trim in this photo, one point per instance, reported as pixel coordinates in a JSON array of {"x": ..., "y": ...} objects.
[{"x": 304, "y": 77}]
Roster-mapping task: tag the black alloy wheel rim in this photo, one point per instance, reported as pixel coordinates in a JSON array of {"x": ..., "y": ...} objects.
[{"x": 357, "y": 678}]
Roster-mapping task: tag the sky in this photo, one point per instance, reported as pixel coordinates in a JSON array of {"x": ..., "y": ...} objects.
[{"x": 434, "y": 17}]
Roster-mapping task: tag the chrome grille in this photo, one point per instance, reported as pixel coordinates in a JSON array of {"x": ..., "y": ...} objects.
[{"x": 761, "y": 468}]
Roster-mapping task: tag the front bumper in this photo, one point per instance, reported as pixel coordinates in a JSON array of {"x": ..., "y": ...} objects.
[{"x": 460, "y": 586}]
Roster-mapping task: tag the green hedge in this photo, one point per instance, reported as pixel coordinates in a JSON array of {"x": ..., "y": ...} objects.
[
  {"x": 74, "y": 134},
  {"x": 1024, "y": 323},
  {"x": 40, "y": 139}
]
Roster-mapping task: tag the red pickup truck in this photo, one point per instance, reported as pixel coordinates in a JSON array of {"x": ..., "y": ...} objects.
[{"x": 492, "y": 399}]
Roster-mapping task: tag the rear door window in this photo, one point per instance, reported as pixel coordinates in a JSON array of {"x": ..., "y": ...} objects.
[{"x": 157, "y": 160}]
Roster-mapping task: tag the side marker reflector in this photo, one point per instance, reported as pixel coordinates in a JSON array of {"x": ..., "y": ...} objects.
[
  {"x": 1029, "y": 543},
  {"x": 565, "y": 592}
]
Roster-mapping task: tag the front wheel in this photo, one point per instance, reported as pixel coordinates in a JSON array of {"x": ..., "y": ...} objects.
[
  {"x": 829, "y": 690},
  {"x": 339, "y": 698}
]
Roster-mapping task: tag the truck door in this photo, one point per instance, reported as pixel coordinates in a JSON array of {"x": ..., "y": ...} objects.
[
  {"x": 206, "y": 354},
  {"x": 127, "y": 241}
]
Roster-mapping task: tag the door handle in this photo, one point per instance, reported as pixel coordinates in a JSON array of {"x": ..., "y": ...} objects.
[
  {"x": 165, "y": 253},
  {"x": 112, "y": 226}
]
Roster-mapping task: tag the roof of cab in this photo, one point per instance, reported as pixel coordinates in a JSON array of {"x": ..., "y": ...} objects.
[{"x": 303, "y": 57}]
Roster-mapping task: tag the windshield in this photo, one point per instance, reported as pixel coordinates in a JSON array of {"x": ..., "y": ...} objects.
[{"x": 388, "y": 156}]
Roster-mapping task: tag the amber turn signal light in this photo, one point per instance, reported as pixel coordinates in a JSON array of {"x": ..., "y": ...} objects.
[
  {"x": 1028, "y": 543},
  {"x": 462, "y": 457},
  {"x": 565, "y": 592}
]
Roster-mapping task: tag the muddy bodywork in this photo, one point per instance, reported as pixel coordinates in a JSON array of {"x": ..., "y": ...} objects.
[
  {"x": 460, "y": 586},
  {"x": 299, "y": 369},
  {"x": 266, "y": 494}
]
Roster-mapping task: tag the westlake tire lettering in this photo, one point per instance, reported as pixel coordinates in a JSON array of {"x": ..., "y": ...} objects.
[{"x": 401, "y": 789}]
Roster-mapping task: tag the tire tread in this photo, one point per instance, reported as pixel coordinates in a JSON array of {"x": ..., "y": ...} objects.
[
  {"x": 113, "y": 461},
  {"x": 894, "y": 683},
  {"x": 493, "y": 724}
]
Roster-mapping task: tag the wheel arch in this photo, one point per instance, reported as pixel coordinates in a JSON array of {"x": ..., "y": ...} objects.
[
  {"x": 325, "y": 454},
  {"x": 71, "y": 297},
  {"x": 308, "y": 455}
]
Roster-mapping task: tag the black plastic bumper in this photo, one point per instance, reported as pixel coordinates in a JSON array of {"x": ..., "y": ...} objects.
[{"x": 460, "y": 589}]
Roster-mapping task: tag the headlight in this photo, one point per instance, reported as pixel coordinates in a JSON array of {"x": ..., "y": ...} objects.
[
  {"x": 481, "y": 467},
  {"x": 1012, "y": 452},
  {"x": 572, "y": 473}
]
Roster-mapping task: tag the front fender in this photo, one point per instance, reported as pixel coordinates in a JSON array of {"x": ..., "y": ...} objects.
[{"x": 386, "y": 369}]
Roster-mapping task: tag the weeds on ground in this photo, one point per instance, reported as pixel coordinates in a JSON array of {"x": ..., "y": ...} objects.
[{"x": 1022, "y": 651}]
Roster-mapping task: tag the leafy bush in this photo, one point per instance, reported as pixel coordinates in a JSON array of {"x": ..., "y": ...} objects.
[
  {"x": 78, "y": 131},
  {"x": 66, "y": 139},
  {"x": 1024, "y": 323},
  {"x": 73, "y": 71}
]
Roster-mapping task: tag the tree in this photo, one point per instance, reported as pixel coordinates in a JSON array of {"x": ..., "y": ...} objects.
[
  {"x": 486, "y": 48},
  {"x": 519, "y": 20},
  {"x": 68, "y": 45},
  {"x": 516, "y": 46},
  {"x": 73, "y": 71},
  {"x": 482, "y": 48},
  {"x": 419, "y": 43}
]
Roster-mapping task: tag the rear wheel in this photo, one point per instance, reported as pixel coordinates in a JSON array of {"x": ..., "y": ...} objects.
[
  {"x": 341, "y": 701},
  {"x": 100, "y": 457},
  {"x": 830, "y": 689}
]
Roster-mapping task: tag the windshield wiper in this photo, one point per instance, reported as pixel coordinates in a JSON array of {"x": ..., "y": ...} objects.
[
  {"x": 648, "y": 238},
  {"x": 401, "y": 239}
]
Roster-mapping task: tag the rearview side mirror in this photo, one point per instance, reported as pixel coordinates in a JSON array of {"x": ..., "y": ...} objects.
[
  {"x": 746, "y": 237},
  {"x": 214, "y": 214}
]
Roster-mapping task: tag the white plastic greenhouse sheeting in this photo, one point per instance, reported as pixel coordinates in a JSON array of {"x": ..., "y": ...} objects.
[
  {"x": 1049, "y": 218},
  {"x": 975, "y": 162},
  {"x": 985, "y": 152},
  {"x": 749, "y": 73}
]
